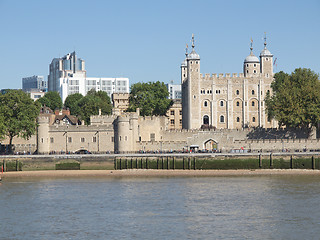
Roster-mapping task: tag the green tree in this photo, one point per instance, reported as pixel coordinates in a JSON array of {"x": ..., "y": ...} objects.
[
  {"x": 91, "y": 103},
  {"x": 19, "y": 113},
  {"x": 71, "y": 102},
  {"x": 150, "y": 97},
  {"x": 51, "y": 100},
  {"x": 295, "y": 102}
]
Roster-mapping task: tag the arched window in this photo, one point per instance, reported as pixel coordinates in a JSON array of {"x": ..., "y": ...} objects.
[
  {"x": 206, "y": 120},
  {"x": 221, "y": 103},
  {"x": 237, "y": 92},
  {"x": 252, "y": 92},
  {"x": 238, "y": 119},
  {"x": 254, "y": 71},
  {"x": 252, "y": 103},
  {"x": 268, "y": 92},
  {"x": 222, "y": 119},
  {"x": 253, "y": 119},
  {"x": 205, "y": 103},
  {"x": 238, "y": 104}
]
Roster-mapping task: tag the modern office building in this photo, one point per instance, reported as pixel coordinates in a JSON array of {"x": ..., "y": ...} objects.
[
  {"x": 174, "y": 91},
  {"x": 67, "y": 75},
  {"x": 34, "y": 83}
]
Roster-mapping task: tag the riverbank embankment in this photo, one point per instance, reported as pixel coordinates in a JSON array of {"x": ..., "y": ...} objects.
[{"x": 154, "y": 173}]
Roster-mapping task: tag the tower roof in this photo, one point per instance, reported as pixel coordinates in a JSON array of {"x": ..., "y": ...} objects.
[
  {"x": 193, "y": 54},
  {"x": 265, "y": 52},
  {"x": 251, "y": 58}
]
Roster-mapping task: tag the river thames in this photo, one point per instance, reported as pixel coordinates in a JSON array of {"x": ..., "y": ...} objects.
[{"x": 244, "y": 207}]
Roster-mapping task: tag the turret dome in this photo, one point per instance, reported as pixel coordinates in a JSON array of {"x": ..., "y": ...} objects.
[
  {"x": 193, "y": 55},
  {"x": 184, "y": 63},
  {"x": 251, "y": 59}
]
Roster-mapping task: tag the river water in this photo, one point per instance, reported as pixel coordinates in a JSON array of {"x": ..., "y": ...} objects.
[{"x": 253, "y": 207}]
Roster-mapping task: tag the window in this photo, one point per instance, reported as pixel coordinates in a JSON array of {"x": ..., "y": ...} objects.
[
  {"x": 41, "y": 140},
  {"x": 94, "y": 139},
  {"x": 253, "y": 119},
  {"x": 222, "y": 119},
  {"x": 126, "y": 138},
  {"x": 180, "y": 121},
  {"x": 112, "y": 139},
  {"x": 268, "y": 92},
  {"x": 206, "y": 119},
  {"x": 254, "y": 71},
  {"x": 247, "y": 65},
  {"x": 172, "y": 112},
  {"x": 139, "y": 138},
  {"x": 180, "y": 112},
  {"x": 152, "y": 136},
  {"x": 238, "y": 103},
  {"x": 252, "y": 92},
  {"x": 51, "y": 140},
  {"x": 172, "y": 121},
  {"x": 82, "y": 139},
  {"x": 254, "y": 65},
  {"x": 238, "y": 119},
  {"x": 252, "y": 103},
  {"x": 196, "y": 62},
  {"x": 205, "y": 103},
  {"x": 221, "y": 103},
  {"x": 70, "y": 139},
  {"x": 237, "y": 92},
  {"x": 267, "y": 59},
  {"x": 247, "y": 71}
]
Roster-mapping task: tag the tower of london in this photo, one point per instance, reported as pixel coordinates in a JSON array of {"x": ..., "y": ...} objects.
[{"x": 226, "y": 101}]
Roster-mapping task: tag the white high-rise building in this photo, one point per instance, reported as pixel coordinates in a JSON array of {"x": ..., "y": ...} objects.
[{"x": 68, "y": 75}]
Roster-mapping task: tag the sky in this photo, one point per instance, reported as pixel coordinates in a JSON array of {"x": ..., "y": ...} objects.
[{"x": 145, "y": 40}]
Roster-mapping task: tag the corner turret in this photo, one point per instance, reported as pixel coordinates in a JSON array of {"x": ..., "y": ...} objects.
[
  {"x": 251, "y": 65},
  {"x": 266, "y": 59}
]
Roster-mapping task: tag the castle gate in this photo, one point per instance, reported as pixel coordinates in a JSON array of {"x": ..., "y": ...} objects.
[{"x": 211, "y": 145}]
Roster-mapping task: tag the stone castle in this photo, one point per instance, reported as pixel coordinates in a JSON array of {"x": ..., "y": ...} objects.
[
  {"x": 219, "y": 113},
  {"x": 225, "y": 101}
]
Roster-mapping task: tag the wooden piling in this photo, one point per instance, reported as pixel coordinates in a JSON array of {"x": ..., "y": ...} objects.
[
  {"x": 194, "y": 163},
  {"x": 183, "y": 164},
  {"x": 189, "y": 163},
  {"x": 131, "y": 163},
  {"x": 260, "y": 161},
  {"x": 291, "y": 161},
  {"x": 271, "y": 161},
  {"x": 115, "y": 163},
  {"x": 120, "y": 164},
  {"x": 313, "y": 163},
  {"x": 146, "y": 163},
  {"x": 168, "y": 167},
  {"x": 126, "y": 163},
  {"x": 137, "y": 163},
  {"x": 157, "y": 163},
  {"x": 173, "y": 163},
  {"x": 141, "y": 163},
  {"x": 162, "y": 163}
]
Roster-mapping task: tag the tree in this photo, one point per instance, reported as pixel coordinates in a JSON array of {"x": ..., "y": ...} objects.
[
  {"x": 91, "y": 103},
  {"x": 71, "y": 102},
  {"x": 19, "y": 113},
  {"x": 295, "y": 101},
  {"x": 51, "y": 100},
  {"x": 150, "y": 97}
]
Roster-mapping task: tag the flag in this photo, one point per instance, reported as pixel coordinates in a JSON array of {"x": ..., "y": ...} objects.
[{"x": 274, "y": 62}]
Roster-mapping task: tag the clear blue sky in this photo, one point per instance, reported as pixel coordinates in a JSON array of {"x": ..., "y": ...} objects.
[{"x": 145, "y": 40}]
